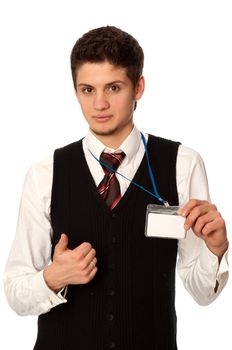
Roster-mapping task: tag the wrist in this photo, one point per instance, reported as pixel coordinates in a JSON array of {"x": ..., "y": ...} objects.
[
  {"x": 51, "y": 280},
  {"x": 220, "y": 250}
]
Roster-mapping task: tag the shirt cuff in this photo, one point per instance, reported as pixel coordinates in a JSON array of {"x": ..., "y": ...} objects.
[
  {"x": 210, "y": 262},
  {"x": 44, "y": 295}
]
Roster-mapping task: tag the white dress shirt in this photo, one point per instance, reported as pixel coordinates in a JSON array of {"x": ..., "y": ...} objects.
[{"x": 25, "y": 288}]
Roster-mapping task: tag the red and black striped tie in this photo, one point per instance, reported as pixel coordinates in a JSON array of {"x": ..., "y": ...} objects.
[{"x": 109, "y": 187}]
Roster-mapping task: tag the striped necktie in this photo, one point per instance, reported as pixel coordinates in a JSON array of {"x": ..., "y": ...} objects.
[{"x": 109, "y": 187}]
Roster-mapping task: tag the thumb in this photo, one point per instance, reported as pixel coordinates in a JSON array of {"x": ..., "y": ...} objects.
[{"x": 62, "y": 245}]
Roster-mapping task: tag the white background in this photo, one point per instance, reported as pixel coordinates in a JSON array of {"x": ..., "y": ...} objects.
[{"x": 188, "y": 71}]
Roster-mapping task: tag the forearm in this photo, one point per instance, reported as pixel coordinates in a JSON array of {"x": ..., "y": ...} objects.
[
  {"x": 220, "y": 250},
  {"x": 54, "y": 278},
  {"x": 28, "y": 294},
  {"x": 201, "y": 273}
]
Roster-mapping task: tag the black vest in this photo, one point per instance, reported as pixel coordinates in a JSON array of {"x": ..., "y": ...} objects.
[{"x": 129, "y": 305}]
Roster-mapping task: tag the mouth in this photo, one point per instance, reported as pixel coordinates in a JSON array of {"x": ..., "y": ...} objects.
[{"x": 102, "y": 118}]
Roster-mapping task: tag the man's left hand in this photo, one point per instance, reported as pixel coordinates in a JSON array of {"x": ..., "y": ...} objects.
[{"x": 207, "y": 223}]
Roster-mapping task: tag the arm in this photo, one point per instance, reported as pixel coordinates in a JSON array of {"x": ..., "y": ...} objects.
[
  {"x": 207, "y": 223},
  {"x": 77, "y": 266},
  {"x": 25, "y": 288},
  {"x": 202, "y": 263},
  {"x": 32, "y": 283}
]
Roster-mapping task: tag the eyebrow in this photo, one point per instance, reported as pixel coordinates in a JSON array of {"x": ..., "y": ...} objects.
[{"x": 111, "y": 83}]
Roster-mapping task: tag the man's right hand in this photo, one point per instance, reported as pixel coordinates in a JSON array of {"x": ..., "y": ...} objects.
[{"x": 77, "y": 266}]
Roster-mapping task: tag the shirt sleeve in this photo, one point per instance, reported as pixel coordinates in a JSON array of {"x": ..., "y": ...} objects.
[
  {"x": 25, "y": 288},
  {"x": 197, "y": 266}
]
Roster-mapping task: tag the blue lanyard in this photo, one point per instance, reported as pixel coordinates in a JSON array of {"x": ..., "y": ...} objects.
[{"x": 155, "y": 193}]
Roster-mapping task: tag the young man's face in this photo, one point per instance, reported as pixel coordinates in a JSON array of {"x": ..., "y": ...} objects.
[{"x": 107, "y": 96}]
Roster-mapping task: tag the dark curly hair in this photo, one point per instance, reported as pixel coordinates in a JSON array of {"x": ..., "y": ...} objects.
[{"x": 108, "y": 44}]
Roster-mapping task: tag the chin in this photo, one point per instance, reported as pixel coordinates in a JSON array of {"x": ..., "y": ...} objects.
[{"x": 108, "y": 132}]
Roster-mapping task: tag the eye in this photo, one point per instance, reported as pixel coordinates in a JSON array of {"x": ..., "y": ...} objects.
[
  {"x": 114, "y": 88},
  {"x": 87, "y": 90}
]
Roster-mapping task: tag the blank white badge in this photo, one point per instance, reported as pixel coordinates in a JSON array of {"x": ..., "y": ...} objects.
[{"x": 164, "y": 222}]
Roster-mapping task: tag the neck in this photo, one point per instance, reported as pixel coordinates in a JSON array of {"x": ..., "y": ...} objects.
[{"x": 115, "y": 139}]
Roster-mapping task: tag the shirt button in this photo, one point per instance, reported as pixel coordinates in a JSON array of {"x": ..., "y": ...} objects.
[
  {"x": 110, "y": 317},
  {"x": 112, "y": 345},
  {"x": 113, "y": 215}
]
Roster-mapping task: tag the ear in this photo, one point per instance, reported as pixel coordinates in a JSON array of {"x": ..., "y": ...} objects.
[{"x": 139, "y": 88}]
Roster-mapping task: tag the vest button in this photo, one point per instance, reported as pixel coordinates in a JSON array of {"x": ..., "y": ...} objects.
[
  {"x": 112, "y": 266},
  {"x": 112, "y": 345},
  {"x": 114, "y": 240},
  {"x": 111, "y": 292},
  {"x": 110, "y": 317}
]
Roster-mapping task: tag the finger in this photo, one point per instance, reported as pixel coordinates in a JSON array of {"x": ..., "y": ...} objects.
[
  {"x": 62, "y": 245},
  {"x": 217, "y": 225},
  {"x": 91, "y": 266},
  {"x": 187, "y": 208},
  {"x": 88, "y": 274},
  {"x": 93, "y": 263},
  {"x": 200, "y": 215},
  {"x": 87, "y": 262},
  {"x": 82, "y": 250},
  {"x": 90, "y": 256},
  {"x": 201, "y": 222},
  {"x": 193, "y": 215},
  {"x": 92, "y": 273}
]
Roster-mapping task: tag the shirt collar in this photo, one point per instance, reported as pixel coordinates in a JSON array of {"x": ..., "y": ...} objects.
[{"x": 130, "y": 145}]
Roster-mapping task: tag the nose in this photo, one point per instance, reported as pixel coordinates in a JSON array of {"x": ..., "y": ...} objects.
[{"x": 100, "y": 102}]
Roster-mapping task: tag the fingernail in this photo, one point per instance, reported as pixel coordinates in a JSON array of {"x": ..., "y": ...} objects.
[{"x": 179, "y": 211}]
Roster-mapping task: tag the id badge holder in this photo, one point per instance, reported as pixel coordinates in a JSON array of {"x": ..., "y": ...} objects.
[{"x": 164, "y": 222}]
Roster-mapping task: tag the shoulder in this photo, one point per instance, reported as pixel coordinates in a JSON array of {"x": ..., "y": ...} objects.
[
  {"x": 163, "y": 150},
  {"x": 39, "y": 175},
  {"x": 65, "y": 150},
  {"x": 163, "y": 141},
  {"x": 191, "y": 172},
  {"x": 43, "y": 165},
  {"x": 191, "y": 175},
  {"x": 184, "y": 153},
  {"x": 188, "y": 156}
]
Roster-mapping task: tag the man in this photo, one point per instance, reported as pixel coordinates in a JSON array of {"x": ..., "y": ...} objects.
[{"x": 80, "y": 258}]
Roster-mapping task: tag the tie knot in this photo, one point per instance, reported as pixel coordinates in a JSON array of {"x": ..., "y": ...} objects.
[{"x": 111, "y": 160}]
